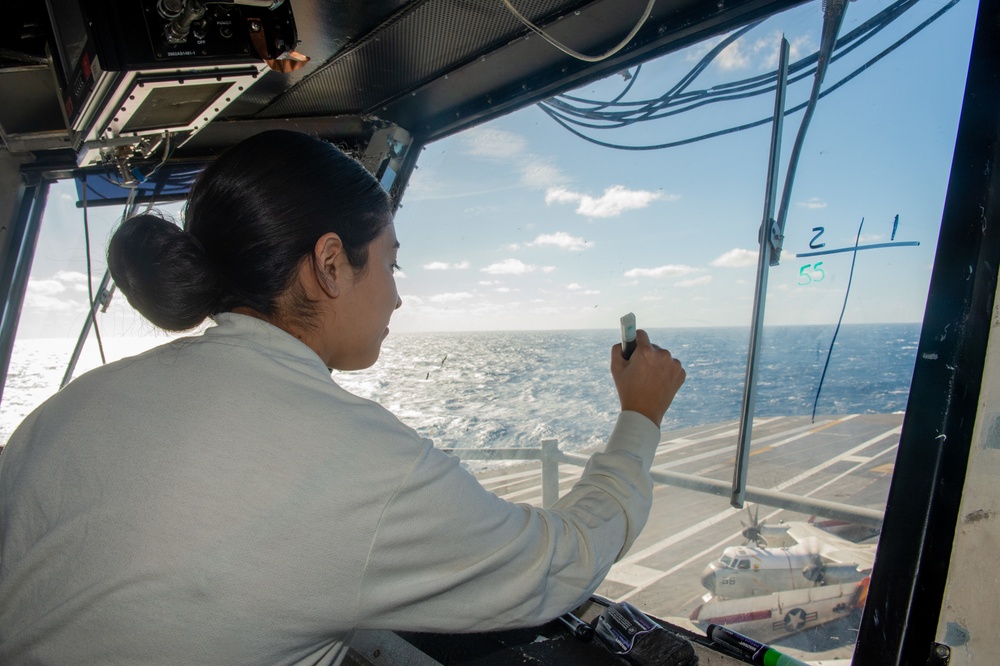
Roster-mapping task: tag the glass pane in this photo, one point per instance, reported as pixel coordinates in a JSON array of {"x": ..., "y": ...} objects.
[
  {"x": 522, "y": 245},
  {"x": 55, "y": 307}
]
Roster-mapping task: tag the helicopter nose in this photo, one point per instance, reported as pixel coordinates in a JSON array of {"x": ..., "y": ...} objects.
[{"x": 708, "y": 578}]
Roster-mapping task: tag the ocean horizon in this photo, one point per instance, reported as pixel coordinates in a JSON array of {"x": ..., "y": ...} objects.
[{"x": 514, "y": 388}]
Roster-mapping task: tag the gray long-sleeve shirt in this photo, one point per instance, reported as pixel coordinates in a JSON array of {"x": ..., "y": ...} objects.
[{"x": 221, "y": 500}]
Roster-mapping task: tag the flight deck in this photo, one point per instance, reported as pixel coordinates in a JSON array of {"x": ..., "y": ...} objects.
[{"x": 846, "y": 459}]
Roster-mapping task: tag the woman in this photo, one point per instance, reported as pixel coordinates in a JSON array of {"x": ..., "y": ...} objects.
[{"x": 220, "y": 499}]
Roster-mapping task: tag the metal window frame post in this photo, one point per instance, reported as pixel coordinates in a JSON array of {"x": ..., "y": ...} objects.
[{"x": 767, "y": 244}]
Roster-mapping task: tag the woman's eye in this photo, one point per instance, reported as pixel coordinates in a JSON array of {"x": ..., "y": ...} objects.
[{"x": 396, "y": 267}]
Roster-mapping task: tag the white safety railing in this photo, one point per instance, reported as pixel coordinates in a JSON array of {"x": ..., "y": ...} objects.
[{"x": 551, "y": 457}]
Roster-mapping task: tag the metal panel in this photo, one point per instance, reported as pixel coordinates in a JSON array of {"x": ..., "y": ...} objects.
[{"x": 16, "y": 267}]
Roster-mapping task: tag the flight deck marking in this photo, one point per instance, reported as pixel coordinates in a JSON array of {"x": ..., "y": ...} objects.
[
  {"x": 719, "y": 517},
  {"x": 716, "y": 546},
  {"x": 806, "y": 429}
]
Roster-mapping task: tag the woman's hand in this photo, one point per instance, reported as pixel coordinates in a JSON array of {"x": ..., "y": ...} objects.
[{"x": 649, "y": 380}]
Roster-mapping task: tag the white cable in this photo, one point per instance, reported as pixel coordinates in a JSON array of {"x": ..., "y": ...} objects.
[{"x": 580, "y": 56}]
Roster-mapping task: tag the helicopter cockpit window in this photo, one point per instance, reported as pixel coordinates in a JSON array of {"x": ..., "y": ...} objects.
[
  {"x": 743, "y": 564},
  {"x": 726, "y": 561}
]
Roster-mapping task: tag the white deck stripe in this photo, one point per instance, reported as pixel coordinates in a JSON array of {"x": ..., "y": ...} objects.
[
  {"x": 722, "y": 515},
  {"x": 642, "y": 584}
]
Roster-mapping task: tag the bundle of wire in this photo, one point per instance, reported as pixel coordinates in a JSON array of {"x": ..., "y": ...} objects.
[{"x": 576, "y": 112}]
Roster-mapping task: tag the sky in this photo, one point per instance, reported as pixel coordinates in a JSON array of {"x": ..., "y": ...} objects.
[{"x": 519, "y": 225}]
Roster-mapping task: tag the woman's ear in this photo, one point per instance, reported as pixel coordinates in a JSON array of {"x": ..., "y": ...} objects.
[{"x": 330, "y": 263}]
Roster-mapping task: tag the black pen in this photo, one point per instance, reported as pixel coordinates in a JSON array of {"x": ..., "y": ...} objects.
[{"x": 750, "y": 649}]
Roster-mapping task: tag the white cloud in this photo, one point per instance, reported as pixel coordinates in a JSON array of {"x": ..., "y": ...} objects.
[
  {"x": 736, "y": 258},
  {"x": 693, "y": 282},
  {"x": 616, "y": 200},
  {"x": 445, "y": 266},
  {"x": 812, "y": 203},
  {"x": 670, "y": 270},
  {"x": 64, "y": 291},
  {"x": 535, "y": 172},
  {"x": 559, "y": 195},
  {"x": 494, "y": 143},
  {"x": 46, "y": 287},
  {"x": 734, "y": 56},
  {"x": 760, "y": 53},
  {"x": 573, "y": 286},
  {"x": 548, "y": 269},
  {"x": 450, "y": 297},
  {"x": 508, "y": 267},
  {"x": 560, "y": 239},
  {"x": 768, "y": 46},
  {"x": 538, "y": 173}
]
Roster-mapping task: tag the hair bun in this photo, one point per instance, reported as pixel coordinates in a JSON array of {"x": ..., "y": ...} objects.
[{"x": 163, "y": 272}]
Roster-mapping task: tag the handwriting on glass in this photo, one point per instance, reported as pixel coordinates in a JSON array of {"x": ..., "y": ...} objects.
[{"x": 814, "y": 272}]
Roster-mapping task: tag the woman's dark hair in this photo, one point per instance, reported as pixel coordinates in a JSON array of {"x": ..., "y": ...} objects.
[{"x": 253, "y": 215}]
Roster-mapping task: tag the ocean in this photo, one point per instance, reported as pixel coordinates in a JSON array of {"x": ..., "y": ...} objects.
[{"x": 512, "y": 389}]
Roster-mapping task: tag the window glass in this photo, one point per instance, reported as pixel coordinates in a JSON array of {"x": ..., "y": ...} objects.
[
  {"x": 55, "y": 306},
  {"x": 523, "y": 244}
]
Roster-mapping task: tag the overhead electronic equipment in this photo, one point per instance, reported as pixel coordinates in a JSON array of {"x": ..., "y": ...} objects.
[{"x": 144, "y": 76}]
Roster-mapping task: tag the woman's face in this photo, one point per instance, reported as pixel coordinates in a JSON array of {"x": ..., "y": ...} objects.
[{"x": 367, "y": 302}]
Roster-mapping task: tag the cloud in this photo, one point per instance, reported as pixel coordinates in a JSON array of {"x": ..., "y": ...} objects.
[
  {"x": 450, "y": 297},
  {"x": 670, "y": 270},
  {"x": 736, "y": 258},
  {"x": 616, "y": 200},
  {"x": 538, "y": 173},
  {"x": 573, "y": 286},
  {"x": 508, "y": 267},
  {"x": 445, "y": 266},
  {"x": 694, "y": 282},
  {"x": 561, "y": 240},
  {"x": 734, "y": 56},
  {"x": 64, "y": 291},
  {"x": 748, "y": 53},
  {"x": 494, "y": 143},
  {"x": 768, "y": 46},
  {"x": 535, "y": 172},
  {"x": 812, "y": 203}
]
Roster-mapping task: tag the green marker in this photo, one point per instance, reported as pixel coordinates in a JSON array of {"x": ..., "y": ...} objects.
[{"x": 750, "y": 649}]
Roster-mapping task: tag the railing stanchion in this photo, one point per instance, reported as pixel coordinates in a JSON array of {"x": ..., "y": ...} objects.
[{"x": 550, "y": 472}]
